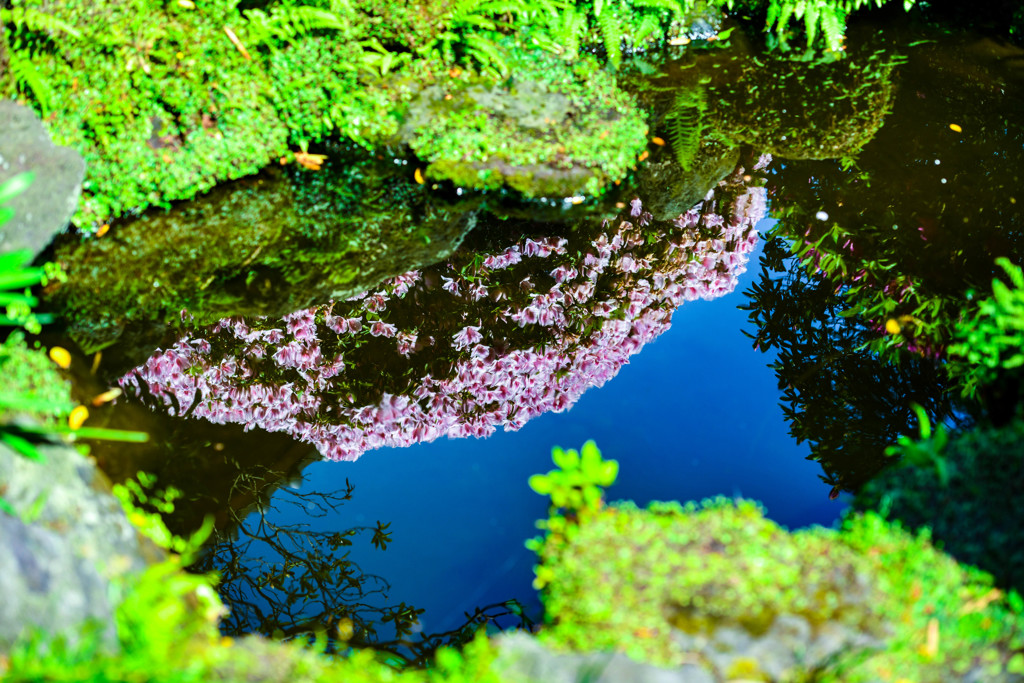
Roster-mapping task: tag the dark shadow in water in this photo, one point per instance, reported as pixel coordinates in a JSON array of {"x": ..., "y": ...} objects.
[{"x": 895, "y": 243}]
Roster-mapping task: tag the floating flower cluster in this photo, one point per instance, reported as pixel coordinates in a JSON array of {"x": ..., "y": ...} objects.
[{"x": 483, "y": 340}]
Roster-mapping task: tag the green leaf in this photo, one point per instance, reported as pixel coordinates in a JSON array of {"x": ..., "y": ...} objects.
[
  {"x": 11, "y": 188},
  {"x": 541, "y": 484},
  {"x": 21, "y": 445},
  {"x": 609, "y": 472},
  {"x": 566, "y": 460}
]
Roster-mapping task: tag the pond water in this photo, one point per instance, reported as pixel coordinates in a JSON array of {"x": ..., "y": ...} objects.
[{"x": 620, "y": 320}]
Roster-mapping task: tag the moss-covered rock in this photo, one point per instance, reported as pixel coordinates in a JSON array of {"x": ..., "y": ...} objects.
[
  {"x": 162, "y": 103},
  {"x": 551, "y": 129},
  {"x": 719, "y": 585}
]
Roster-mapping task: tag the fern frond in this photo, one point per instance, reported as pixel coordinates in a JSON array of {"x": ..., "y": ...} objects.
[
  {"x": 649, "y": 26},
  {"x": 487, "y": 54},
  {"x": 37, "y": 21},
  {"x": 833, "y": 21},
  {"x": 27, "y": 78},
  {"x": 686, "y": 126},
  {"x": 285, "y": 22},
  {"x": 611, "y": 35}
]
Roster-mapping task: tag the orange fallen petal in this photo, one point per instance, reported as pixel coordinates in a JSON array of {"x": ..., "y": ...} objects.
[
  {"x": 102, "y": 230},
  {"x": 78, "y": 417},
  {"x": 658, "y": 141},
  {"x": 61, "y": 357},
  {"x": 106, "y": 397},
  {"x": 643, "y": 155}
]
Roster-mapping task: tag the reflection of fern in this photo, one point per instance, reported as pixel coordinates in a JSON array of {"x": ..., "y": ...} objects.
[{"x": 686, "y": 126}]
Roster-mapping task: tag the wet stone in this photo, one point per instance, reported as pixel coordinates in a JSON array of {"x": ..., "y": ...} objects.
[
  {"x": 69, "y": 541},
  {"x": 44, "y": 209},
  {"x": 523, "y": 658}
]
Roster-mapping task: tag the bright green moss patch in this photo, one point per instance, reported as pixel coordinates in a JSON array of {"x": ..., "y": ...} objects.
[
  {"x": 718, "y": 583},
  {"x": 30, "y": 382},
  {"x": 162, "y": 104},
  {"x": 550, "y": 129}
]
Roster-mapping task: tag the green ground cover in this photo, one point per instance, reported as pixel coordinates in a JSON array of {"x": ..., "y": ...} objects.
[{"x": 166, "y": 99}]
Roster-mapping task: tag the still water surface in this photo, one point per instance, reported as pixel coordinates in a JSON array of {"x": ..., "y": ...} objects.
[{"x": 439, "y": 525}]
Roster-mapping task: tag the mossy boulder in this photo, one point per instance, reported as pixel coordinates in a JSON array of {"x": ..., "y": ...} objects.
[
  {"x": 719, "y": 585},
  {"x": 551, "y": 129},
  {"x": 162, "y": 104}
]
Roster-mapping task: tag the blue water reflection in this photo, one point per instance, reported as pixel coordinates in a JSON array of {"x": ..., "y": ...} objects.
[{"x": 695, "y": 415}]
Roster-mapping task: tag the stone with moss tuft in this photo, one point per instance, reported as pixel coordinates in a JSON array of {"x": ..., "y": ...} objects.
[{"x": 550, "y": 129}]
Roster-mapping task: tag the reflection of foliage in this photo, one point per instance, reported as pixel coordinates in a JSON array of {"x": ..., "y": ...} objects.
[
  {"x": 839, "y": 396},
  {"x": 971, "y": 504},
  {"x": 491, "y": 338},
  {"x": 288, "y": 579},
  {"x": 301, "y": 236},
  {"x": 819, "y": 110},
  {"x": 686, "y": 125},
  {"x": 292, "y": 581},
  {"x": 916, "y": 223}
]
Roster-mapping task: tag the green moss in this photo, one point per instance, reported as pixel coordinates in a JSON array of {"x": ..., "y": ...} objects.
[
  {"x": 30, "y": 382},
  {"x": 551, "y": 129},
  {"x": 657, "y": 583},
  {"x": 796, "y": 110},
  {"x": 162, "y": 105}
]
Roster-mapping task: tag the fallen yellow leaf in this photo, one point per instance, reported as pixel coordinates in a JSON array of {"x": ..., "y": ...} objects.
[
  {"x": 418, "y": 175},
  {"x": 78, "y": 417},
  {"x": 61, "y": 357},
  {"x": 892, "y": 327},
  {"x": 955, "y": 128}
]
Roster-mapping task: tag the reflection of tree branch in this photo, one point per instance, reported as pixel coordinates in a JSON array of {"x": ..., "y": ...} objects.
[
  {"x": 289, "y": 581},
  {"x": 843, "y": 399},
  {"x": 418, "y": 654}
]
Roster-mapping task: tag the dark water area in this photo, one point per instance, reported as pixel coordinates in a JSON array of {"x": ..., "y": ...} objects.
[{"x": 355, "y": 315}]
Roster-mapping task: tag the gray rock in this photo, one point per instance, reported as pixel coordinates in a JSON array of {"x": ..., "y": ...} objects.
[
  {"x": 523, "y": 658},
  {"x": 69, "y": 541},
  {"x": 46, "y": 207}
]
